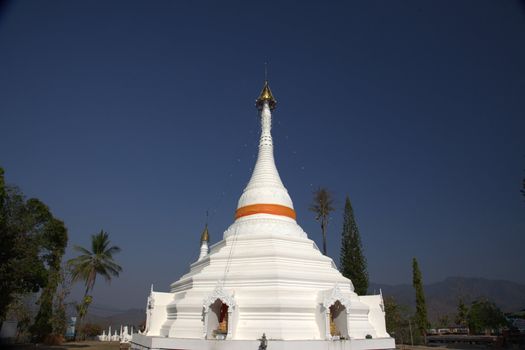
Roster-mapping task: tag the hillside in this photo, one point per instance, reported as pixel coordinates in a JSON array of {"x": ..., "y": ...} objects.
[
  {"x": 442, "y": 297},
  {"x": 106, "y": 316}
]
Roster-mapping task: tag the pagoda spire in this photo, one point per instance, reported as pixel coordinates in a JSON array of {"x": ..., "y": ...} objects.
[
  {"x": 265, "y": 192},
  {"x": 205, "y": 238}
]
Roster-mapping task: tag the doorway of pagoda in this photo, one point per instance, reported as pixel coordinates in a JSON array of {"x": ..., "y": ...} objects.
[
  {"x": 217, "y": 320},
  {"x": 337, "y": 317},
  {"x": 219, "y": 314},
  {"x": 336, "y": 306},
  {"x": 218, "y": 309}
]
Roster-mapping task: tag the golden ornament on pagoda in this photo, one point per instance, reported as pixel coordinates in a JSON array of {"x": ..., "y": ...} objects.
[{"x": 266, "y": 96}]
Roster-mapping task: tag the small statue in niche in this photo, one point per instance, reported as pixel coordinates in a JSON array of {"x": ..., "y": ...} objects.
[{"x": 223, "y": 319}]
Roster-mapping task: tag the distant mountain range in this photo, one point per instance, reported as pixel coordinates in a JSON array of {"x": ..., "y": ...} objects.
[
  {"x": 131, "y": 317},
  {"x": 442, "y": 297}
]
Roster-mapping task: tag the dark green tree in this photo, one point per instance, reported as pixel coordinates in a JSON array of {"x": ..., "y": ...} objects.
[
  {"x": 352, "y": 260},
  {"x": 53, "y": 241},
  {"x": 393, "y": 317},
  {"x": 31, "y": 248},
  {"x": 443, "y": 321},
  {"x": 22, "y": 270},
  {"x": 462, "y": 313},
  {"x": 484, "y": 316},
  {"x": 322, "y": 206},
  {"x": 91, "y": 263},
  {"x": 420, "y": 318},
  {"x": 59, "y": 319},
  {"x": 396, "y": 318}
]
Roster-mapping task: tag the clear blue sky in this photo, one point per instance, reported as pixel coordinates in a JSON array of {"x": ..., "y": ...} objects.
[{"x": 137, "y": 117}]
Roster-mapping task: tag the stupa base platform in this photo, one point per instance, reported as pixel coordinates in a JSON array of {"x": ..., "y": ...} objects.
[{"x": 143, "y": 342}]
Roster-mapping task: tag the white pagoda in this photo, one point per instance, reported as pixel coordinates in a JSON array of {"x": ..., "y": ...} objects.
[{"x": 264, "y": 277}]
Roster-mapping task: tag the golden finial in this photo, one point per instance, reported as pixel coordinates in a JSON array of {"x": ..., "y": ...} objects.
[
  {"x": 266, "y": 94},
  {"x": 205, "y": 237}
]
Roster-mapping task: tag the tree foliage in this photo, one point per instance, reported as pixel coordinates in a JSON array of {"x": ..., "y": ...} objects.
[
  {"x": 420, "y": 317},
  {"x": 462, "y": 313},
  {"x": 91, "y": 330},
  {"x": 393, "y": 317},
  {"x": 322, "y": 206},
  {"x": 59, "y": 319},
  {"x": 20, "y": 309},
  {"x": 32, "y": 244},
  {"x": 397, "y": 320},
  {"x": 91, "y": 263},
  {"x": 485, "y": 316},
  {"x": 352, "y": 259},
  {"x": 21, "y": 269},
  {"x": 53, "y": 241},
  {"x": 443, "y": 321}
]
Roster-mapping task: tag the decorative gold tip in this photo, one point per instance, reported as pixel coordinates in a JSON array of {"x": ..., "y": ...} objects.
[
  {"x": 205, "y": 237},
  {"x": 266, "y": 95}
]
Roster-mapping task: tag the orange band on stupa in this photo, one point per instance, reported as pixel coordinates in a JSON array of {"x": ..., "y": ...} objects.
[{"x": 274, "y": 209}]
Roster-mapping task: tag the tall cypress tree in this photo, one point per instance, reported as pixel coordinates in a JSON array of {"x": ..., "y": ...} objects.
[
  {"x": 352, "y": 260},
  {"x": 421, "y": 308},
  {"x": 462, "y": 313}
]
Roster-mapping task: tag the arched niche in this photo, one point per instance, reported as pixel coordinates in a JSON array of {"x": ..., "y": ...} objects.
[
  {"x": 337, "y": 316},
  {"x": 336, "y": 308},
  {"x": 218, "y": 310}
]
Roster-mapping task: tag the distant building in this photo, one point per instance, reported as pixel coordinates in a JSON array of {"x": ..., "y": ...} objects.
[
  {"x": 70, "y": 330},
  {"x": 453, "y": 329}
]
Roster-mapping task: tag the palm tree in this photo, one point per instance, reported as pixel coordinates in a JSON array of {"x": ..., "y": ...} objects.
[
  {"x": 98, "y": 261},
  {"x": 322, "y": 206}
]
